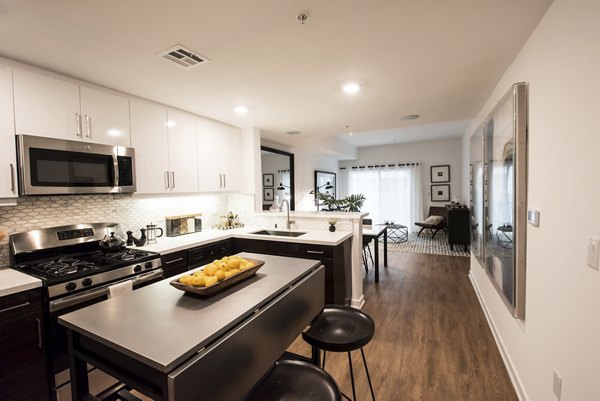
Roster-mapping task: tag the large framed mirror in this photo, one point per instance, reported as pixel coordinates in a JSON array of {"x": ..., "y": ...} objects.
[
  {"x": 277, "y": 168},
  {"x": 505, "y": 197}
]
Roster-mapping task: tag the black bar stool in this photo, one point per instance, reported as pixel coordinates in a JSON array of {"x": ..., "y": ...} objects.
[
  {"x": 294, "y": 380},
  {"x": 341, "y": 329}
]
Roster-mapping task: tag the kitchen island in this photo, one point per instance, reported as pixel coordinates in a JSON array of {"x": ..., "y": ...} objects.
[{"x": 172, "y": 346}]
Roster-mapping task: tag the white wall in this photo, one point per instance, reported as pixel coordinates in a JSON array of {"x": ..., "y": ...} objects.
[
  {"x": 561, "y": 62},
  {"x": 428, "y": 153}
]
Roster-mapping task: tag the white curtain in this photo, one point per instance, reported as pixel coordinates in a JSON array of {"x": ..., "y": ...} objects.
[{"x": 393, "y": 193}]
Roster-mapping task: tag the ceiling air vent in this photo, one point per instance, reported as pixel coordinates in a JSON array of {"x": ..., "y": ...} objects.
[{"x": 183, "y": 57}]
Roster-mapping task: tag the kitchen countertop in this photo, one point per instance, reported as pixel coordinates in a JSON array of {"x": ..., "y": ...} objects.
[
  {"x": 162, "y": 327},
  {"x": 166, "y": 245},
  {"x": 12, "y": 282}
]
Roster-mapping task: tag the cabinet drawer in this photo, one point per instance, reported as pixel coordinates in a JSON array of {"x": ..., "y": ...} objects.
[
  {"x": 174, "y": 263},
  {"x": 19, "y": 304}
]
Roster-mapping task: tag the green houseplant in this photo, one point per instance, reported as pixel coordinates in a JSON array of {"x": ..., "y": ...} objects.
[{"x": 351, "y": 203}]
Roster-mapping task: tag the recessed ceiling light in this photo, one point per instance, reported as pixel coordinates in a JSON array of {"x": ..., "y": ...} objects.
[
  {"x": 241, "y": 109},
  {"x": 409, "y": 117},
  {"x": 293, "y": 132},
  {"x": 351, "y": 133},
  {"x": 351, "y": 88}
]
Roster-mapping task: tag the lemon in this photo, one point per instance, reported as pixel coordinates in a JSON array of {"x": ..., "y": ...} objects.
[
  {"x": 198, "y": 281},
  {"x": 228, "y": 274},
  {"x": 210, "y": 270},
  {"x": 210, "y": 280},
  {"x": 185, "y": 279},
  {"x": 220, "y": 275},
  {"x": 234, "y": 263}
]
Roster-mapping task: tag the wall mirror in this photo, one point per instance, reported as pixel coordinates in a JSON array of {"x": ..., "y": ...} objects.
[
  {"x": 505, "y": 197},
  {"x": 324, "y": 184},
  {"x": 478, "y": 230},
  {"x": 277, "y": 177}
]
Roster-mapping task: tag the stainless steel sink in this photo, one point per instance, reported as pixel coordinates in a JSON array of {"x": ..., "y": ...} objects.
[{"x": 279, "y": 233}]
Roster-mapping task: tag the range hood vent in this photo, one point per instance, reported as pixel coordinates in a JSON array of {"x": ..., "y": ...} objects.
[{"x": 183, "y": 57}]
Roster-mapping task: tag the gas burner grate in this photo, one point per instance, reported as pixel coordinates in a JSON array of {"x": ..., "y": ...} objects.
[{"x": 65, "y": 266}]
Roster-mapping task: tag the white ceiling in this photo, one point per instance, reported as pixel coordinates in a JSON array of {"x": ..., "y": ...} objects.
[{"x": 436, "y": 58}]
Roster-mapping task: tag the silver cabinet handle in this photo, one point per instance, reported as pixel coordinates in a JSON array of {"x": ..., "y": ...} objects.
[
  {"x": 316, "y": 252},
  {"x": 24, "y": 304},
  {"x": 39, "y": 327},
  {"x": 78, "y": 120},
  {"x": 172, "y": 179},
  {"x": 224, "y": 181},
  {"x": 167, "y": 186},
  {"x": 173, "y": 261},
  {"x": 12, "y": 178},
  {"x": 88, "y": 126}
]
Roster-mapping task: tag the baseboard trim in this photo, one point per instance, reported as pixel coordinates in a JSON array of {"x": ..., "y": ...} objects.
[
  {"x": 512, "y": 373},
  {"x": 358, "y": 303}
]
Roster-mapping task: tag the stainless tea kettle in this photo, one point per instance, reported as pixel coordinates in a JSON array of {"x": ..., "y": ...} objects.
[{"x": 112, "y": 242}]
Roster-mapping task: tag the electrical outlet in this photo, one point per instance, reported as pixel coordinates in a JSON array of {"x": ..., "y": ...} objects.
[{"x": 556, "y": 385}]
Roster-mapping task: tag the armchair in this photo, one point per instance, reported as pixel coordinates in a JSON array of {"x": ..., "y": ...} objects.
[{"x": 435, "y": 221}]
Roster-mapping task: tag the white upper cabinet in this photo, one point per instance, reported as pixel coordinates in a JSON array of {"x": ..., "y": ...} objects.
[
  {"x": 183, "y": 157},
  {"x": 150, "y": 141},
  {"x": 104, "y": 117},
  {"x": 219, "y": 163},
  {"x": 165, "y": 149},
  {"x": 52, "y": 107},
  {"x": 8, "y": 164},
  {"x": 46, "y": 106}
]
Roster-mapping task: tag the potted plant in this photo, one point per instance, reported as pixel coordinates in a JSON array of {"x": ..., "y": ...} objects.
[
  {"x": 351, "y": 203},
  {"x": 332, "y": 224}
]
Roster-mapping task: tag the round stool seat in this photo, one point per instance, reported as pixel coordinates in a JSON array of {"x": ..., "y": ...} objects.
[
  {"x": 340, "y": 329},
  {"x": 291, "y": 380}
]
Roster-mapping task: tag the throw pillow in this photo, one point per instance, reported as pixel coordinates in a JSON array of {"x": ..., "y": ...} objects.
[{"x": 434, "y": 220}]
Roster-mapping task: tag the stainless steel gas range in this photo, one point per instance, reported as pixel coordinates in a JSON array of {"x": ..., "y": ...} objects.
[{"x": 76, "y": 272}]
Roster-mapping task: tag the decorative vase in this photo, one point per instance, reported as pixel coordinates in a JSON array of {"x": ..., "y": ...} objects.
[
  {"x": 332, "y": 228},
  {"x": 275, "y": 207}
]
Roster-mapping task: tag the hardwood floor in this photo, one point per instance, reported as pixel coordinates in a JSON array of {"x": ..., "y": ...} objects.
[{"x": 431, "y": 342}]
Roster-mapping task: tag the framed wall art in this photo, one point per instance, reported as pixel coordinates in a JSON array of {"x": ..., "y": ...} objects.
[
  {"x": 440, "y": 193},
  {"x": 440, "y": 173},
  {"x": 268, "y": 194},
  {"x": 268, "y": 180}
]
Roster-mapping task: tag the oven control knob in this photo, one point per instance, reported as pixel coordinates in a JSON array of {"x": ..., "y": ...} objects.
[
  {"x": 148, "y": 265},
  {"x": 86, "y": 282},
  {"x": 70, "y": 286},
  {"x": 137, "y": 268}
]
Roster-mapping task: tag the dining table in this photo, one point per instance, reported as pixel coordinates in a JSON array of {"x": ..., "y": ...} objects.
[{"x": 376, "y": 232}]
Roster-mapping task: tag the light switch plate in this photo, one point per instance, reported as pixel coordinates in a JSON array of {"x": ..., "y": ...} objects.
[
  {"x": 533, "y": 217},
  {"x": 593, "y": 257}
]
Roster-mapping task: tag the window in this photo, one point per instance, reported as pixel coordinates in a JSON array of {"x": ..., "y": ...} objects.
[{"x": 393, "y": 193}]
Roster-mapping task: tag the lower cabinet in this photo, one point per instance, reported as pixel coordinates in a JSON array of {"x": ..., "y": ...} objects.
[
  {"x": 23, "y": 366},
  {"x": 207, "y": 253},
  {"x": 458, "y": 225},
  {"x": 334, "y": 258},
  {"x": 174, "y": 263}
]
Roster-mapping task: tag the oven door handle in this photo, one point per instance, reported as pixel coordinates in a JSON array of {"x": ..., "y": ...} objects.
[
  {"x": 142, "y": 278},
  {"x": 76, "y": 299},
  {"x": 100, "y": 292}
]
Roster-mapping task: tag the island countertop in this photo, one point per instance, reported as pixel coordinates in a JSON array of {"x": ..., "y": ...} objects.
[{"x": 162, "y": 327}]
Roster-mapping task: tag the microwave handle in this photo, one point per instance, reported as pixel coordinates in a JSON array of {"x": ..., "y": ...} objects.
[{"x": 116, "y": 171}]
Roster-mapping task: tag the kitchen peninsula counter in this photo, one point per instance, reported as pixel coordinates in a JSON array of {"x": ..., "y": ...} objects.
[
  {"x": 176, "y": 346},
  {"x": 166, "y": 245}
]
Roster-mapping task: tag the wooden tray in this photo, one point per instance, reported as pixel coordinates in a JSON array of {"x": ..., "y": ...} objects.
[{"x": 221, "y": 285}]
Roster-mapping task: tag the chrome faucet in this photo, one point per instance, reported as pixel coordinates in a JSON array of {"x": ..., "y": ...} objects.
[{"x": 288, "y": 221}]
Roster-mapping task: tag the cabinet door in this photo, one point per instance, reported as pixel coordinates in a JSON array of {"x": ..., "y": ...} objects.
[
  {"x": 183, "y": 156},
  {"x": 105, "y": 117},
  {"x": 46, "y": 106},
  {"x": 231, "y": 163},
  {"x": 8, "y": 179},
  {"x": 23, "y": 371},
  {"x": 150, "y": 140},
  {"x": 210, "y": 153}
]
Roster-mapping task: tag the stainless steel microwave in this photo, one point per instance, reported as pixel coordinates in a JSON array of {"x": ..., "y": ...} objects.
[{"x": 49, "y": 166}]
